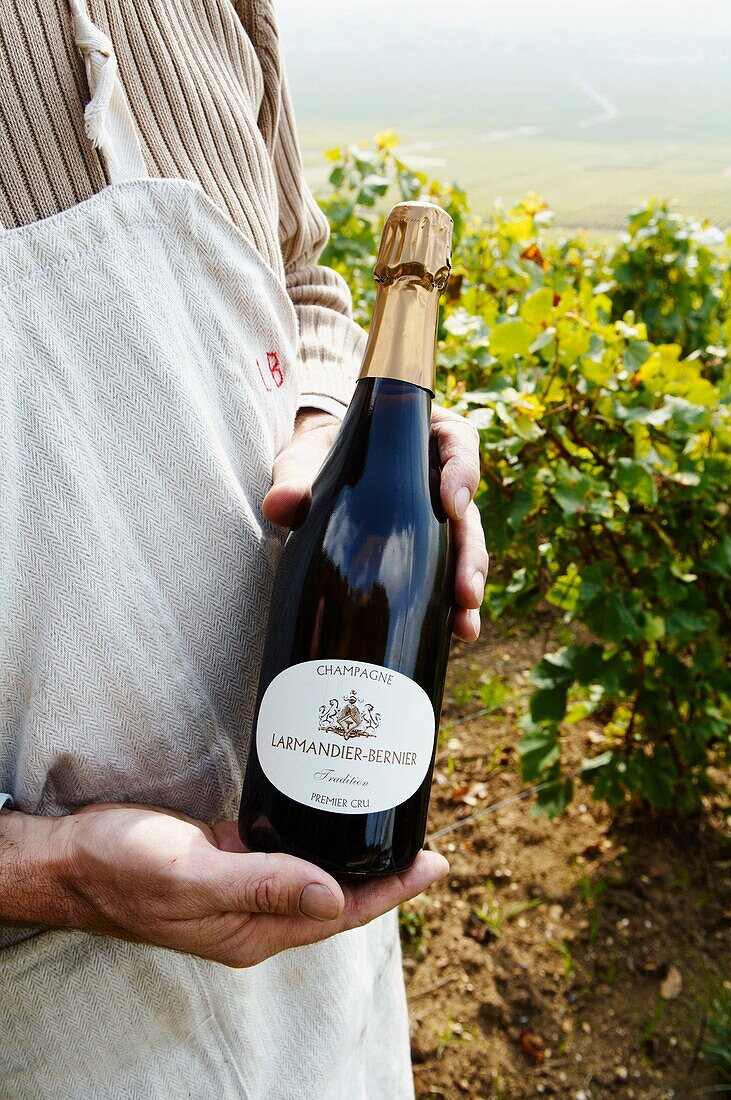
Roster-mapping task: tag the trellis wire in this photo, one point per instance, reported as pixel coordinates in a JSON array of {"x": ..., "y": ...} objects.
[
  {"x": 466, "y": 718},
  {"x": 494, "y": 806},
  {"x": 490, "y": 809}
]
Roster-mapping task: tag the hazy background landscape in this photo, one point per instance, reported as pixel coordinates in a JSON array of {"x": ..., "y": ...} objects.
[{"x": 596, "y": 107}]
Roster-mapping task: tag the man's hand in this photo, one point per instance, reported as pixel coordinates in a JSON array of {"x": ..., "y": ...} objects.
[
  {"x": 457, "y": 441},
  {"x": 152, "y": 876}
]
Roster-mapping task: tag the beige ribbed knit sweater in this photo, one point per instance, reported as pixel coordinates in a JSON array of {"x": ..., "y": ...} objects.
[{"x": 206, "y": 85}]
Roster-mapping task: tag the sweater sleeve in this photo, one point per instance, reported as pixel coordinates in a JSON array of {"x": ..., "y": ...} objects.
[{"x": 331, "y": 344}]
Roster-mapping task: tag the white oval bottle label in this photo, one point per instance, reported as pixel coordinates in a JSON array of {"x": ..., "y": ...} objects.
[{"x": 345, "y": 736}]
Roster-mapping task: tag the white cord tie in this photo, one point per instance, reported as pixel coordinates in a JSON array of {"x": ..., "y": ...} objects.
[{"x": 108, "y": 120}]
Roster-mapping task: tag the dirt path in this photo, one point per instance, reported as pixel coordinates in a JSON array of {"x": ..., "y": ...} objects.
[{"x": 576, "y": 958}]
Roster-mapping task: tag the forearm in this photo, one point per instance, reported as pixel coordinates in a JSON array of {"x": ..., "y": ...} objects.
[{"x": 34, "y": 882}]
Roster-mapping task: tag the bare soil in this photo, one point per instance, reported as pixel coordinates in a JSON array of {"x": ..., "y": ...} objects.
[{"x": 574, "y": 958}]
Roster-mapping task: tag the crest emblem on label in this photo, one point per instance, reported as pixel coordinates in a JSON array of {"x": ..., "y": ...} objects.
[{"x": 355, "y": 719}]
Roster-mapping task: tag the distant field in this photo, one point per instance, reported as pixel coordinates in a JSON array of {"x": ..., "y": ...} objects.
[
  {"x": 589, "y": 185},
  {"x": 597, "y": 110}
]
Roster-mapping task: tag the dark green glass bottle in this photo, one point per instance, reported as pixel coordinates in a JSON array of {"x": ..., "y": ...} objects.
[{"x": 351, "y": 685}]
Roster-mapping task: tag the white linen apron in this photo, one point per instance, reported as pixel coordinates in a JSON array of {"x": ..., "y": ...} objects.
[{"x": 147, "y": 382}]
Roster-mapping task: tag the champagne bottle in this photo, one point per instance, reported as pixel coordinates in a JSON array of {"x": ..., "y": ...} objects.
[{"x": 350, "y": 693}]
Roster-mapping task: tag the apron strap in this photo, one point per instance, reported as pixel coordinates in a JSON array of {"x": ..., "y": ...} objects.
[{"x": 108, "y": 119}]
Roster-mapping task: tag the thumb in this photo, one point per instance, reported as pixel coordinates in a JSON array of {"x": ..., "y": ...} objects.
[
  {"x": 295, "y": 468},
  {"x": 288, "y": 501},
  {"x": 261, "y": 882}
]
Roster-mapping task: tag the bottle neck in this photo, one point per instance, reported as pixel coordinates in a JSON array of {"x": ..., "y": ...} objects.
[{"x": 402, "y": 339}]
